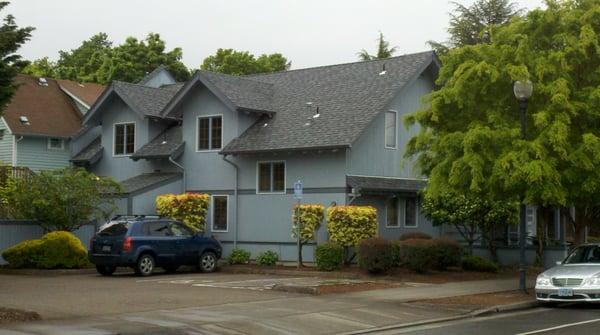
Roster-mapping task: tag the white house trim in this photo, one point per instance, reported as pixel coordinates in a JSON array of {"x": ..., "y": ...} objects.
[
  {"x": 284, "y": 176},
  {"x": 209, "y": 132},
  {"x": 212, "y": 213}
]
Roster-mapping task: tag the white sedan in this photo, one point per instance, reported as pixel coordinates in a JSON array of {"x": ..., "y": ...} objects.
[{"x": 577, "y": 278}]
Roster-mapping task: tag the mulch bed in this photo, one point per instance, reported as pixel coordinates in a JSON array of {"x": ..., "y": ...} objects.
[{"x": 8, "y": 315}]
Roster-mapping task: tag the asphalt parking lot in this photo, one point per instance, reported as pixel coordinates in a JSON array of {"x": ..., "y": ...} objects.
[{"x": 91, "y": 294}]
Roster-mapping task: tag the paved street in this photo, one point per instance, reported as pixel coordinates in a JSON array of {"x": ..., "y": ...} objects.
[
  {"x": 194, "y": 303},
  {"x": 571, "y": 320}
]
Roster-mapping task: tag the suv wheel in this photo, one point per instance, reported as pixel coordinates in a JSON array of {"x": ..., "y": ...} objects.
[
  {"x": 106, "y": 270},
  {"x": 208, "y": 262},
  {"x": 145, "y": 265}
]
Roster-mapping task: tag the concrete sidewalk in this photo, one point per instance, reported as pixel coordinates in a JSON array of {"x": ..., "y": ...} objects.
[{"x": 292, "y": 314}]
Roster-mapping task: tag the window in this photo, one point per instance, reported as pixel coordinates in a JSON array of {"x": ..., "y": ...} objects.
[
  {"x": 410, "y": 212},
  {"x": 210, "y": 133},
  {"x": 271, "y": 177},
  {"x": 56, "y": 143},
  {"x": 391, "y": 210},
  {"x": 179, "y": 230},
  {"x": 124, "y": 142},
  {"x": 2, "y": 134},
  {"x": 219, "y": 213},
  {"x": 158, "y": 228},
  {"x": 391, "y": 131}
]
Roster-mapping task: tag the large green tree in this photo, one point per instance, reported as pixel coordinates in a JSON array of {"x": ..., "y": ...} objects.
[
  {"x": 11, "y": 39},
  {"x": 476, "y": 23},
  {"x": 470, "y": 141},
  {"x": 239, "y": 63},
  {"x": 60, "y": 199},
  {"x": 383, "y": 50},
  {"x": 97, "y": 60}
]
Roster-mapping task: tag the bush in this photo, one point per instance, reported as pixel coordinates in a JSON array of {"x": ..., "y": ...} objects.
[
  {"x": 348, "y": 225},
  {"x": 329, "y": 257},
  {"x": 310, "y": 218},
  {"x": 238, "y": 256},
  {"x": 58, "y": 249},
  {"x": 267, "y": 258},
  {"x": 476, "y": 263},
  {"x": 415, "y": 236},
  {"x": 189, "y": 208},
  {"x": 416, "y": 254},
  {"x": 375, "y": 255},
  {"x": 447, "y": 252}
]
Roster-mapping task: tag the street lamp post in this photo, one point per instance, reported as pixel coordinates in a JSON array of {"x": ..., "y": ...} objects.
[{"x": 523, "y": 91}]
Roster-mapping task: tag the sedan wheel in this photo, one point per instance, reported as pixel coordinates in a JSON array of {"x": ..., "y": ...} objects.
[
  {"x": 208, "y": 262},
  {"x": 145, "y": 265}
]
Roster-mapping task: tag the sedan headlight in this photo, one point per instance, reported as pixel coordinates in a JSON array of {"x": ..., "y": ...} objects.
[
  {"x": 542, "y": 281},
  {"x": 593, "y": 281}
]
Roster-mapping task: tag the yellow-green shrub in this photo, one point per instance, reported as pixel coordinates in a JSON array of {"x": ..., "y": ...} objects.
[
  {"x": 59, "y": 249},
  {"x": 189, "y": 208},
  {"x": 310, "y": 218},
  {"x": 348, "y": 225}
]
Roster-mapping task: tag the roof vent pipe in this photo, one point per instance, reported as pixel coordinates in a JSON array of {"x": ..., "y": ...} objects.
[{"x": 382, "y": 70}]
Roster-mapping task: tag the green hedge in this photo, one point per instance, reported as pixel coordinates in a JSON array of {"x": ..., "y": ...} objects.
[
  {"x": 267, "y": 258},
  {"x": 238, "y": 256},
  {"x": 348, "y": 225},
  {"x": 58, "y": 249},
  {"x": 476, "y": 263},
  {"x": 416, "y": 254},
  {"x": 447, "y": 253},
  {"x": 375, "y": 255},
  {"x": 329, "y": 257}
]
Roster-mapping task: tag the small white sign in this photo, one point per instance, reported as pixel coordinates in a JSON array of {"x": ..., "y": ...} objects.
[{"x": 298, "y": 190}]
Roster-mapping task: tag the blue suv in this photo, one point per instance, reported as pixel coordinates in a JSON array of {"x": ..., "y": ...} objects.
[{"x": 144, "y": 243}]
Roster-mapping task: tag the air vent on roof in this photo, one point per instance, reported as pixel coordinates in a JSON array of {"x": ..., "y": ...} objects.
[
  {"x": 42, "y": 81},
  {"x": 317, "y": 114},
  {"x": 382, "y": 70},
  {"x": 24, "y": 120}
]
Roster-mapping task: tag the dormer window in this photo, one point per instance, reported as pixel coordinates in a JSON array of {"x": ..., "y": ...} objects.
[
  {"x": 124, "y": 139},
  {"x": 210, "y": 133},
  {"x": 391, "y": 129}
]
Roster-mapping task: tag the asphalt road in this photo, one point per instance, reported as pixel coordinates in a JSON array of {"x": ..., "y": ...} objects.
[{"x": 571, "y": 320}]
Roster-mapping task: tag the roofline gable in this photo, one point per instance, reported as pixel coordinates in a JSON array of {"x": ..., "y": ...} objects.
[
  {"x": 108, "y": 92},
  {"x": 151, "y": 75},
  {"x": 198, "y": 77},
  {"x": 73, "y": 96},
  {"x": 433, "y": 61}
]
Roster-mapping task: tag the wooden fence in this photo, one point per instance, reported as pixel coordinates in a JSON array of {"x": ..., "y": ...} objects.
[{"x": 13, "y": 171}]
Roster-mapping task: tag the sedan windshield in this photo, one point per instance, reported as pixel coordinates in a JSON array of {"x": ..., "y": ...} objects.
[{"x": 585, "y": 254}]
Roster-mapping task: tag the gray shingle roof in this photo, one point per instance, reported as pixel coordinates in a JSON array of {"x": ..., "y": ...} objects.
[
  {"x": 244, "y": 93},
  {"x": 147, "y": 100},
  {"x": 90, "y": 154},
  {"x": 147, "y": 181},
  {"x": 349, "y": 96},
  {"x": 168, "y": 144},
  {"x": 385, "y": 183}
]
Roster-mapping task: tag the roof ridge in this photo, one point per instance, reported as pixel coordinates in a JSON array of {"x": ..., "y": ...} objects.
[
  {"x": 339, "y": 64},
  {"x": 139, "y": 85},
  {"x": 243, "y": 77}
]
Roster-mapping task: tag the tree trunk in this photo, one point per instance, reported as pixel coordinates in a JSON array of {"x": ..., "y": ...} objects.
[
  {"x": 300, "y": 254},
  {"x": 582, "y": 220}
]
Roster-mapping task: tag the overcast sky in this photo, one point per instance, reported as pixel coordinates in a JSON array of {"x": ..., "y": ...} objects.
[{"x": 307, "y": 32}]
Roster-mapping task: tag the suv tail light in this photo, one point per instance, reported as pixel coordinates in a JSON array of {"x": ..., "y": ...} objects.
[{"x": 128, "y": 244}]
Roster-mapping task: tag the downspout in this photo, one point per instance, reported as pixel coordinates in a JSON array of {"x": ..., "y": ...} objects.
[
  {"x": 182, "y": 169},
  {"x": 14, "y": 153},
  {"x": 235, "y": 195}
]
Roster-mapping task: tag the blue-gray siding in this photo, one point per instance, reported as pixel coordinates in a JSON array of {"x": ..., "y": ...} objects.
[
  {"x": 33, "y": 152},
  {"x": 6, "y": 144}
]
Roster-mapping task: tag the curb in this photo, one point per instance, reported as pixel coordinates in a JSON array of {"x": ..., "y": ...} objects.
[
  {"x": 473, "y": 314},
  {"x": 47, "y": 272},
  {"x": 306, "y": 273}
]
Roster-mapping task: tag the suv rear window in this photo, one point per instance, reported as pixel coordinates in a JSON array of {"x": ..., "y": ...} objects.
[{"x": 114, "y": 229}]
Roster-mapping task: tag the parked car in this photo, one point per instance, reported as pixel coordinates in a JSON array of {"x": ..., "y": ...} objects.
[
  {"x": 577, "y": 278},
  {"x": 144, "y": 243}
]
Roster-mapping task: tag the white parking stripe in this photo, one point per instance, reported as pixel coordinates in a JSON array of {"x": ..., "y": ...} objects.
[{"x": 560, "y": 327}]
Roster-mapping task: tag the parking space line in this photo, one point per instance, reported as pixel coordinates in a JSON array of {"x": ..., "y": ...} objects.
[{"x": 559, "y": 327}]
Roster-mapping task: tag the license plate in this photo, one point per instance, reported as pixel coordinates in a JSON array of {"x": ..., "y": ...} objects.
[
  {"x": 106, "y": 248},
  {"x": 565, "y": 292}
]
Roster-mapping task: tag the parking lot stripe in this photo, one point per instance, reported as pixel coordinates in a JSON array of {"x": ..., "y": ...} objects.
[{"x": 560, "y": 327}]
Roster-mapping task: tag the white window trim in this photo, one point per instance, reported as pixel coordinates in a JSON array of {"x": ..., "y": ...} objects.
[
  {"x": 284, "y": 176},
  {"x": 398, "y": 226},
  {"x": 212, "y": 213},
  {"x": 416, "y": 215},
  {"x": 114, "y": 146},
  {"x": 62, "y": 143},
  {"x": 395, "y": 131},
  {"x": 209, "y": 132}
]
